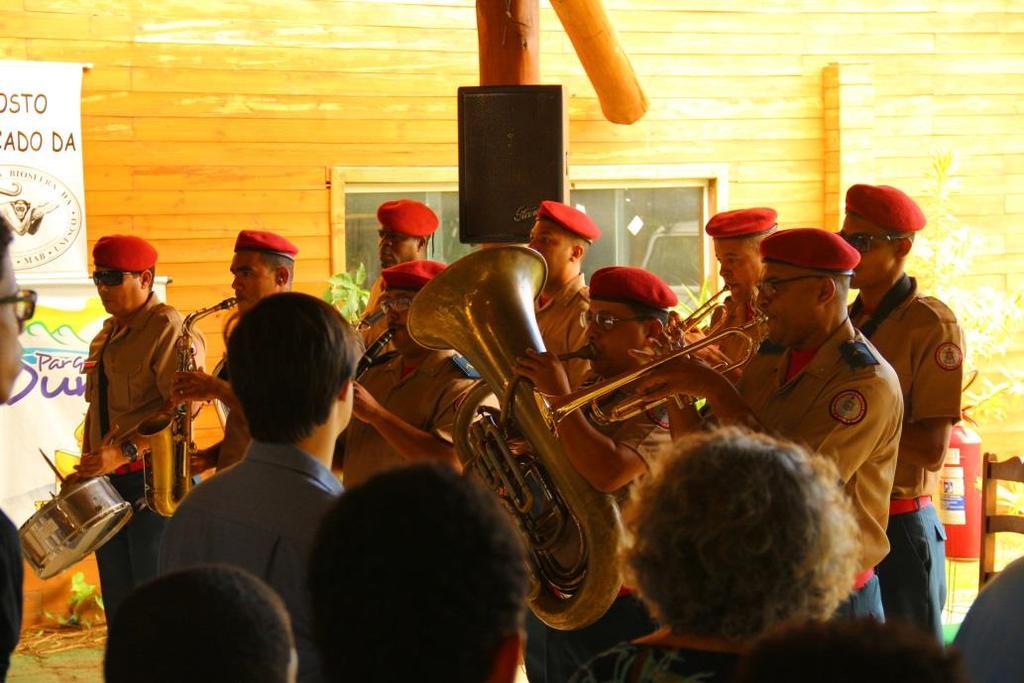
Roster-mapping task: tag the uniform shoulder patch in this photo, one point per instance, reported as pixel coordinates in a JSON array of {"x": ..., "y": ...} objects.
[
  {"x": 948, "y": 356},
  {"x": 768, "y": 347},
  {"x": 659, "y": 416},
  {"x": 465, "y": 367},
  {"x": 857, "y": 354},
  {"x": 849, "y": 407}
]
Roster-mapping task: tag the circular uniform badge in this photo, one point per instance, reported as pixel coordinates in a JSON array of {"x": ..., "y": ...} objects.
[
  {"x": 849, "y": 407},
  {"x": 948, "y": 356}
]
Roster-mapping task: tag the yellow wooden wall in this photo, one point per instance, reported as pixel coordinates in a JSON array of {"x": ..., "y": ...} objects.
[{"x": 202, "y": 118}]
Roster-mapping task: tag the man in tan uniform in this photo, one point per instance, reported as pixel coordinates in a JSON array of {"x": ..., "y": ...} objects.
[
  {"x": 562, "y": 235},
  {"x": 405, "y": 227},
  {"x": 816, "y": 381},
  {"x": 128, "y": 379},
  {"x": 737, "y": 238},
  {"x": 405, "y": 403},
  {"x": 922, "y": 340},
  {"x": 263, "y": 264},
  {"x": 628, "y": 310}
]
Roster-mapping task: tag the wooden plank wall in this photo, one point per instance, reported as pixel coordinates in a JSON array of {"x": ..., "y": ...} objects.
[{"x": 204, "y": 118}]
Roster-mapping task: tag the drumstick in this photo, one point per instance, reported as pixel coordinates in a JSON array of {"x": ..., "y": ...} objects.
[{"x": 52, "y": 466}]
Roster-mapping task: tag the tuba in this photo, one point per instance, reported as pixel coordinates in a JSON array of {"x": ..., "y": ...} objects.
[
  {"x": 482, "y": 306},
  {"x": 166, "y": 461}
]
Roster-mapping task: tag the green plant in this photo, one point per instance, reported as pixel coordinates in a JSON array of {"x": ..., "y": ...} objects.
[
  {"x": 944, "y": 260},
  {"x": 84, "y": 596},
  {"x": 346, "y": 293}
]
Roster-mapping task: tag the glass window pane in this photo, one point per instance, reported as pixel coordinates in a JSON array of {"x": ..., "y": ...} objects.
[
  {"x": 361, "y": 227},
  {"x": 657, "y": 228}
]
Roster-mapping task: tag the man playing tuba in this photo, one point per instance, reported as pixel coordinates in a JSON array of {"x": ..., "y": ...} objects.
[{"x": 628, "y": 311}]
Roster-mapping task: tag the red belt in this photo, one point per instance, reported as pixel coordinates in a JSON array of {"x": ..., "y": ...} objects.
[
  {"x": 861, "y": 579},
  {"x": 130, "y": 467},
  {"x": 900, "y": 506}
]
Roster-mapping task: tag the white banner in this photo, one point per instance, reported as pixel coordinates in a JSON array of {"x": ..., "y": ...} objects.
[{"x": 42, "y": 193}]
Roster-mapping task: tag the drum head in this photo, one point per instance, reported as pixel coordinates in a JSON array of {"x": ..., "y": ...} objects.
[{"x": 58, "y": 535}]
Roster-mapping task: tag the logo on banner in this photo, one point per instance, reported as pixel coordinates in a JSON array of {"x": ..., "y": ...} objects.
[{"x": 41, "y": 211}]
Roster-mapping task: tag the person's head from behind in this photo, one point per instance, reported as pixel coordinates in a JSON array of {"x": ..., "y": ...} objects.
[
  {"x": 735, "y": 532},
  {"x": 418, "y": 574},
  {"x": 850, "y": 651},
  {"x": 204, "y": 624},
  {"x": 17, "y": 307},
  {"x": 291, "y": 359}
]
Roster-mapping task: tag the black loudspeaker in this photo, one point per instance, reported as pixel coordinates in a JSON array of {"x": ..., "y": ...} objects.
[{"x": 512, "y": 156}]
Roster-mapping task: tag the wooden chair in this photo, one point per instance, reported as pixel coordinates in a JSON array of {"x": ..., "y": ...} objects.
[{"x": 992, "y": 472}]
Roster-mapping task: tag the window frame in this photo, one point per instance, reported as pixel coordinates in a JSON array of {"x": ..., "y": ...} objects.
[{"x": 712, "y": 178}]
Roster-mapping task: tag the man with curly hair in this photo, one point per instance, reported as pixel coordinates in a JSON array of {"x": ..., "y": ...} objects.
[{"x": 732, "y": 534}]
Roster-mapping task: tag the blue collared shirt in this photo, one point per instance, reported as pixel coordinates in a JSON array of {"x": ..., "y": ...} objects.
[{"x": 261, "y": 515}]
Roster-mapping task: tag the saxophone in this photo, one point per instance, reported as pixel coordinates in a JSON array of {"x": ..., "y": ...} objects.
[{"x": 166, "y": 460}]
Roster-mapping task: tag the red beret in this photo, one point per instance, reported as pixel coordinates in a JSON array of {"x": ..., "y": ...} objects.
[
  {"x": 124, "y": 252},
  {"x": 810, "y": 248},
  {"x": 260, "y": 240},
  {"x": 411, "y": 274},
  {"x": 407, "y": 217},
  {"x": 568, "y": 218},
  {"x": 887, "y": 207},
  {"x": 742, "y": 223},
  {"x": 627, "y": 284}
]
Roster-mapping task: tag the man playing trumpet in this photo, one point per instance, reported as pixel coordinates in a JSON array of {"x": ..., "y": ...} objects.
[
  {"x": 816, "y": 381},
  {"x": 628, "y": 311},
  {"x": 737, "y": 237}
]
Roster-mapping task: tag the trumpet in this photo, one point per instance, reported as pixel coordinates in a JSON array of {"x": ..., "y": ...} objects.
[
  {"x": 634, "y": 405},
  {"x": 586, "y": 352},
  {"x": 703, "y": 312}
]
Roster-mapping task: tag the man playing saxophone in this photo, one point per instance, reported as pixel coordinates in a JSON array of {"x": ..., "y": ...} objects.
[
  {"x": 628, "y": 311},
  {"x": 263, "y": 264},
  {"x": 128, "y": 378}
]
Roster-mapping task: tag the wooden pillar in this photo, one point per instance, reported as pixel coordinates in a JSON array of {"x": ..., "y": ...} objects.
[
  {"x": 849, "y": 110},
  {"x": 607, "y": 66},
  {"x": 508, "y": 32}
]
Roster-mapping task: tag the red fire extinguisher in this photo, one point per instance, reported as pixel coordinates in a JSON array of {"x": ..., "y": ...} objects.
[{"x": 960, "y": 494}]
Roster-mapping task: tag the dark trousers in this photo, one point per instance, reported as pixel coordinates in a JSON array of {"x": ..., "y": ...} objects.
[
  {"x": 913, "y": 574},
  {"x": 130, "y": 558},
  {"x": 553, "y": 656},
  {"x": 866, "y": 602}
]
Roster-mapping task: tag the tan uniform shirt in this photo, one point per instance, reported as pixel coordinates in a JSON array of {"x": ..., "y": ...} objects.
[
  {"x": 646, "y": 433},
  {"x": 427, "y": 399},
  {"x": 850, "y": 411},
  {"x": 139, "y": 363},
  {"x": 560, "y": 328},
  {"x": 371, "y": 332},
  {"x": 923, "y": 342}
]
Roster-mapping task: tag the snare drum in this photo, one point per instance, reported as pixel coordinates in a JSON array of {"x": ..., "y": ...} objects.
[{"x": 84, "y": 516}]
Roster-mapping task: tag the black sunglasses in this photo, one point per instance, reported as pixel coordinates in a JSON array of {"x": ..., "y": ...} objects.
[
  {"x": 110, "y": 278},
  {"x": 24, "y": 304},
  {"x": 861, "y": 241}
]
